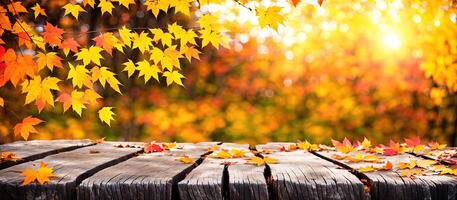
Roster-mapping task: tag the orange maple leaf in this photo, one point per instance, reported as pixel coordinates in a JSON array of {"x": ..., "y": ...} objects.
[
  {"x": 26, "y": 126},
  {"x": 42, "y": 175},
  {"x": 17, "y": 67},
  {"x": 69, "y": 44},
  {"x": 52, "y": 35}
]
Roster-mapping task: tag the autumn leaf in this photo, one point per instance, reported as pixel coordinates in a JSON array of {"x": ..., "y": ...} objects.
[
  {"x": 366, "y": 169},
  {"x": 74, "y": 100},
  {"x": 40, "y": 91},
  {"x": 237, "y": 153},
  {"x": 52, "y": 35},
  {"x": 141, "y": 41},
  {"x": 27, "y": 126},
  {"x": 269, "y": 16},
  {"x": 49, "y": 60},
  {"x": 91, "y": 54},
  {"x": 214, "y": 37},
  {"x": 186, "y": 160},
  {"x": 73, "y": 9},
  {"x": 79, "y": 75},
  {"x": 37, "y": 11},
  {"x": 262, "y": 161},
  {"x": 173, "y": 76},
  {"x": 436, "y": 146},
  {"x": 295, "y": 2},
  {"x": 425, "y": 163},
  {"x": 320, "y": 2},
  {"x": 343, "y": 147},
  {"x": 68, "y": 45},
  {"x": 223, "y": 155},
  {"x": 190, "y": 52},
  {"x": 126, "y": 36},
  {"x": 106, "y": 6},
  {"x": 147, "y": 70},
  {"x": 410, "y": 172},
  {"x": 2, "y": 102},
  {"x": 386, "y": 167},
  {"x": 366, "y": 144},
  {"x": 42, "y": 175},
  {"x": 152, "y": 147},
  {"x": 106, "y": 115},
  {"x": 16, "y": 8},
  {"x": 163, "y": 37},
  {"x": 129, "y": 67},
  {"x": 307, "y": 146},
  {"x": 8, "y": 156},
  {"x": 168, "y": 146},
  {"x": 103, "y": 75}
]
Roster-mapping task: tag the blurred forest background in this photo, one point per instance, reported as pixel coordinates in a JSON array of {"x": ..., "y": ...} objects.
[{"x": 383, "y": 69}]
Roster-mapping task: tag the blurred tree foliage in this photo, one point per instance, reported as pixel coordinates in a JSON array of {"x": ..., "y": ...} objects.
[{"x": 380, "y": 69}]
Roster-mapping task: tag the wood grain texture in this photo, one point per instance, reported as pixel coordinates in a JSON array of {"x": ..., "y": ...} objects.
[
  {"x": 36, "y": 149},
  {"x": 70, "y": 169},
  {"x": 302, "y": 175},
  {"x": 245, "y": 181},
  {"x": 389, "y": 185},
  {"x": 147, "y": 176}
]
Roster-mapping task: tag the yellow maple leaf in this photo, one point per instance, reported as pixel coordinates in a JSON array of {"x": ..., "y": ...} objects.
[
  {"x": 410, "y": 172},
  {"x": 163, "y": 37},
  {"x": 125, "y": 3},
  {"x": 182, "y": 6},
  {"x": 90, "y": 96},
  {"x": 167, "y": 59},
  {"x": 168, "y": 146},
  {"x": 103, "y": 75},
  {"x": 147, "y": 70},
  {"x": 106, "y": 115},
  {"x": 214, "y": 37},
  {"x": 186, "y": 159},
  {"x": 49, "y": 60},
  {"x": 366, "y": 169},
  {"x": 129, "y": 67},
  {"x": 366, "y": 144},
  {"x": 141, "y": 41},
  {"x": 237, "y": 153},
  {"x": 269, "y": 16},
  {"x": 42, "y": 175},
  {"x": 90, "y": 54},
  {"x": 79, "y": 75},
  {"x": 223, "y": 155},
  {"x": 425, "y": 163},
  {"x": 40, "y": 90},
  {"x": 261, "y": 161},
  {"x": 106, "y": 6},
  {"x": 73, "y": 9},
  {"x": 173, "y": 76},
  {"x": 77, "y": 101},
  {"x": 37, "y": 10},
  {"x": 155, "y": 6},
  {"x": 190, "y": 52},
  {"x": 307, "y": 146},
  {"x": 126, "y": 36}
]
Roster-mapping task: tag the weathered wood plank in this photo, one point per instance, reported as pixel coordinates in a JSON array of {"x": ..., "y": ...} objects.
[
  {"x": 228, "y": 178},
  {"x": 389, "y": 184},
  {"x": 447, "y": 155},
  {"x": 70, "y": 168},
  {"x": 147, "y": 176},
  {"x": 245, "y": 181},
  {"x": 36, "y": 149},
  {"x": 302, "y": 175}
]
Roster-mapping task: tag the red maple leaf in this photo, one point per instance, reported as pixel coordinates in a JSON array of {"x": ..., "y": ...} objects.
[
  {"x": 70, "y": 44},
  {"x": 152, "y": 147},
  {"x": 389, "y": 152},
  {"x": 52, "y": 35},
  {"x": 412, "y": 142}
]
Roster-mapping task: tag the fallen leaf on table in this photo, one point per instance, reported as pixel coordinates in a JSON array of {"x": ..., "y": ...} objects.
[
  {"x": 261, "y": 161},
  {"x": 186, "y": 160},
  {"x": 425, "y": 163},
  {"x": 168, "y": 146},
  {"x": 152, "y": 147},
  {"x": 237, "y": 153},
  {"x": 223, "y": 155},
  {"x": 386, "y": 167},
  {"x": 42, "y": 175},
  {"x": 366, "y": 169},
  {"x": 411, "y": 172},
  {"x": 8, "y": 156}
]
